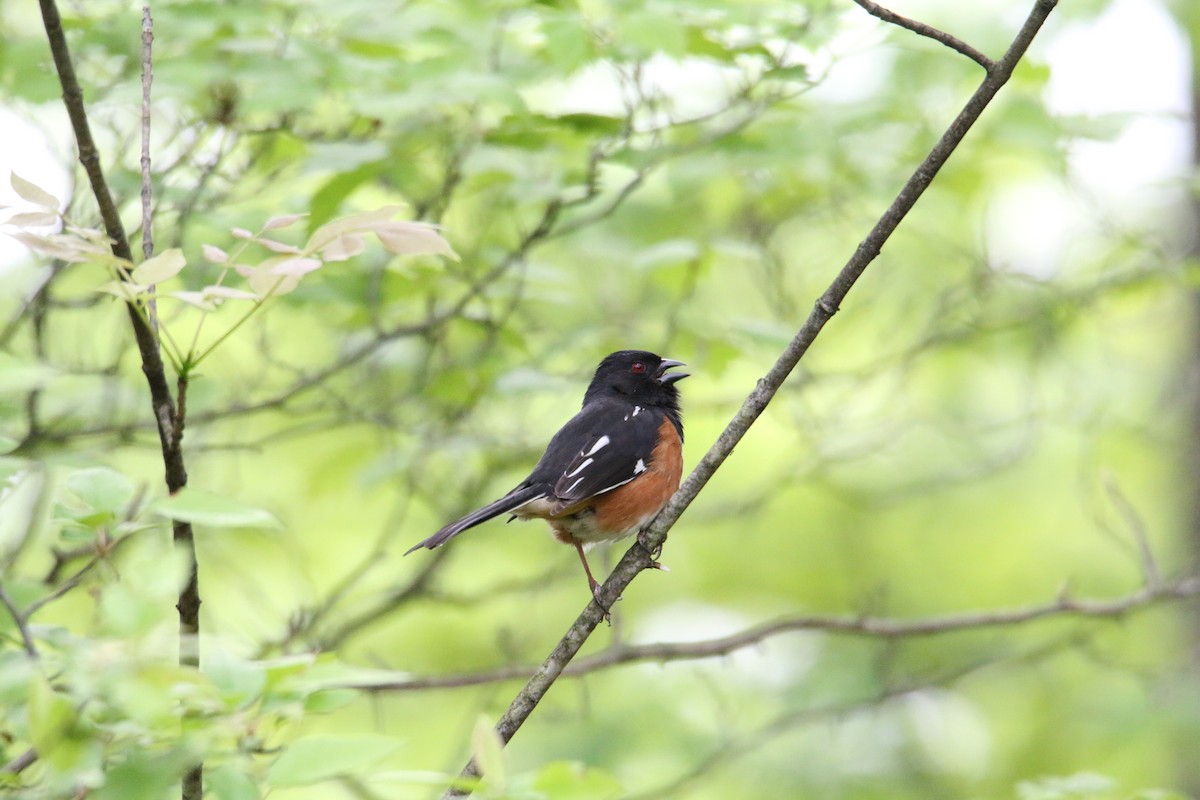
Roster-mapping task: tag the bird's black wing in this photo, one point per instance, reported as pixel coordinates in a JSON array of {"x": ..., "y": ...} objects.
[{"x": 604, "y": 446}]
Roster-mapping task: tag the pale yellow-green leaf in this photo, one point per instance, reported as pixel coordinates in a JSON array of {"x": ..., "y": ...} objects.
[
  {"x": 345, "y": 246},
  {"x": 227, "y": 293},
  {"x": 32, "y": 193},
  {"x": 263, "y": 282},
  {"x": 161, "y": 267},
  {"x": 283, "y": 221},
  {"x": 363, "y": 221},
  {"x": 33, "y": 219},
  {"x": 296, "y": 266},
  {"x": 278, "y": 247},
  {"x": 55, "y": 247},
  {"x": 197, "y": 299},
  {"x": 413, "y": 238},
  {"x": 125, "y": 291},
  {"x": 214, "y": 254}
]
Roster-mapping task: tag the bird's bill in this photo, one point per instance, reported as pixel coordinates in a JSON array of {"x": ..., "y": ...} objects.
[{"x": 663, "y": 377}]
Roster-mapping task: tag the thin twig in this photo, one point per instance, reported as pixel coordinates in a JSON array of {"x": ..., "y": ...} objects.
[
  {"x": 18, "y": 764},
  {"x": 22, "y": 622},
  {"x": 1134, "y": 520},
  {"x": 147, "y": 190},
  {"x": 928, "y": 31},
  {"x": 638, "y": 557}
]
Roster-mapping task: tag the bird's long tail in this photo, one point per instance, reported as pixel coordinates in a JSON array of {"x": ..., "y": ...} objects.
[{"x": 510, "y": 502}]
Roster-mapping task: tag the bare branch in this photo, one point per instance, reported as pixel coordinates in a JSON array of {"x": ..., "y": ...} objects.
[
  {"x": 18, "y": 764},
  {"x": 639, "y": 556},
  {"x": 928, "y": 31},
  {"x": 861, "y": 626}
]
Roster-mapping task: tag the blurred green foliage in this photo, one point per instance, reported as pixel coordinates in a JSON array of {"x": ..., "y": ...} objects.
[{"x": 971, "y": 432}]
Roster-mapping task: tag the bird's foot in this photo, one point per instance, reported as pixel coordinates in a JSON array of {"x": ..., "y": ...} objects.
[{"x": 654, "y": 551}]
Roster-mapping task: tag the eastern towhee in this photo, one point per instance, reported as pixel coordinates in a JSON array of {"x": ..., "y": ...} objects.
[{"x": 610, "y": 470}]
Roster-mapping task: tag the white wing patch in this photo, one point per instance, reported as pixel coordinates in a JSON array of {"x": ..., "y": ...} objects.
[
  {"x": 639, "y": 467},
  {"x": 584, "y": 465},
  {"x": 601, "y": 443},
  {"x": 637, "y": 410}
]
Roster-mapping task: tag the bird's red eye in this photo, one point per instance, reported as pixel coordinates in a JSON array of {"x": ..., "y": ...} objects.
[{"x": 638, "y": 368}]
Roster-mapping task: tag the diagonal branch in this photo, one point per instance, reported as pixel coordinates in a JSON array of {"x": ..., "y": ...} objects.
[{"x": 638, "y": 557}]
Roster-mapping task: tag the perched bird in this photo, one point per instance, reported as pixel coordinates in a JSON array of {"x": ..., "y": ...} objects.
[{"x": 610, "y": 470}]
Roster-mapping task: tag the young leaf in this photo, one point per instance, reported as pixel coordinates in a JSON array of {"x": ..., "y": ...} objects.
[
  {"x": 55, "y": 247},
  {"x": 264, "y": 282},
  {"x": 197, "y": 299},
  {"x": 124, "y": 291},
  {"x": 161, "y": 267},
  {"x": 32, "y": 193},
  {"x": 346, "y": 246},
  {"x": 413, "y": 238},
  {"x": 241, "y": 233},
  {"x": 208, "y": 297},
  {"x": 214, "y": 254},
  {"x": 364, "y": 221},
  {"x": 296, "y": 266},
  {"x": 227, "y": 293},
  {"x": 283, "y": 221},
  {"x": 278, "y": 247},
  {"x": 33, "y": 219}
]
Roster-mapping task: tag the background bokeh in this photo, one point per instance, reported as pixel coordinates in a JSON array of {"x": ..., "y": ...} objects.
[{"x": 1001, "y": 417}]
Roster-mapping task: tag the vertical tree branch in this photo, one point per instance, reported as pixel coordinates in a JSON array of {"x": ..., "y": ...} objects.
[
  {"x": 162, "y": 403},
  {"x": 639, "y": 556},
  {"x": 147, "y": 187}
]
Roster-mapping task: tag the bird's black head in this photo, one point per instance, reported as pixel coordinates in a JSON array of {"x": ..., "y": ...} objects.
[{"x": 639, "y": 376}]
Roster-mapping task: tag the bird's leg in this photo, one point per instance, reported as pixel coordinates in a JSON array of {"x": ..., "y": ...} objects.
[{"x": 592, "y": 584}]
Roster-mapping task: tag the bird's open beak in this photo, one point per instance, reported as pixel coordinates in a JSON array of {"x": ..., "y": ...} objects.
[{"x": 662, "y": 377}]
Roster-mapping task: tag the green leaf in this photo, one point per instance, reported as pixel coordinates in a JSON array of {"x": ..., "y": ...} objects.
[
  {"x": 319, "y": 758},
  {"x": 489, "y": 754},
  {"x": 566, "y": 780},
  {"x": 164, "y": 266},
  {"x": 329, "y": 700},
  {"x": 230, "y": 783},
  {"x": 240, "y": 682},
  {"x": 50, "y": 716},
  {"x": 18, "y": 376},
  {"x": 205, "y": 508},
  {"x": 101, "y": 488},
  {"x": 1080, "y": 786}
]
